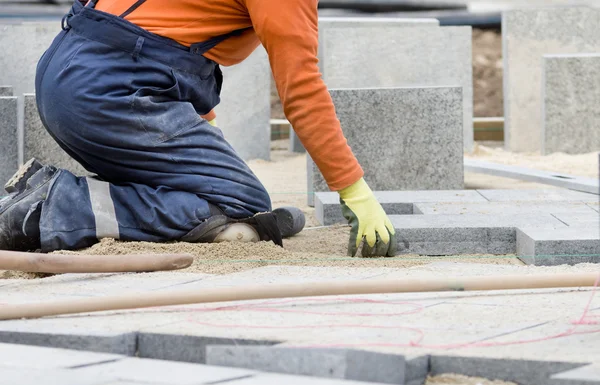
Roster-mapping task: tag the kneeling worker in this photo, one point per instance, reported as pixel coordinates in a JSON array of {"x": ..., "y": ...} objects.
[{"x": 128, "y": 88}]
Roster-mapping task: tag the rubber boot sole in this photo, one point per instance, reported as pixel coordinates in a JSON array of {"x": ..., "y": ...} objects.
[
  {"x": 17, "y": 183},
  {"x": 290, "y": 220}
]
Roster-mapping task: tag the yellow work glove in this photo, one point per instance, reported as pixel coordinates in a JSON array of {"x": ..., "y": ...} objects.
[
  {"x": 213, "y": 122},
  {"x": 367, "y": 220}
]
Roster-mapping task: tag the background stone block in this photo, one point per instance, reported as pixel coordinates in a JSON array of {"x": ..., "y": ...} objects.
[
  {"x": 245, "y": 110},
  {"x": 6, "y": 91},
  {"x": 527, "y": 36},
  {"x": 404, "y": 138},
  {"x": 571, "y": 103},
  {"x": 9, "y": 150},
  {"x": 39, "y": 144},
  {"x": 387, "y": 54}
]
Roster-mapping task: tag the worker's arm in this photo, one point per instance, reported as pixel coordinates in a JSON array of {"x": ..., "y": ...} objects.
[{"x": 289, "y": 32}]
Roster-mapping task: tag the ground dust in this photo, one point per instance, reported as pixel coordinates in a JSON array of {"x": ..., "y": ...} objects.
[{"x": 457, "y": 379}]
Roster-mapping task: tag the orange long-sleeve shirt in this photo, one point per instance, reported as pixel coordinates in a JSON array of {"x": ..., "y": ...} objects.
[{"x": 288, "y": 29}]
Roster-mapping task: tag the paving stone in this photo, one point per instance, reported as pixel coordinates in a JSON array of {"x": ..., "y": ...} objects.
[
  {"x": 572, "y": 182},
  {"x": 184, "y": 348},
  {"x": 519, "y": 371},
  {"x": 30, "y": 376},
  {"x": 315, "y": 362},
  {"x": 586, "y": 375},
  {"x": 538, "y": 195},
  {"x": 278, "y": 379},
  {"x": 158, "y": 371},
  {"x": 579, "y": 218},
  {"x": 6, "y": 91},
  {"x": 528, "y": 34},
  {"x": 428, "y": 56},
  {"x": 417, "y": 370},
  {"x": 38, "y": 143},
  {"x": 418, "y": 129},
  {"x": 504, "y": 208},
  {"x": 448, "y": 234},
  {"x": 22, "y": 45},
  {"x": 36, "y": 357},
  {"x": 245, "y": 110},
  {"x": 9, "y": 150},
  {"x": 571, "y": 104},
  {"x": 543, "y": 247}
]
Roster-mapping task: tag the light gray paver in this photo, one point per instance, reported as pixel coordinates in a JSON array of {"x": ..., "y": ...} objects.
[
  {"x": 538, "y": 195},
  {"x": 493, "y": 208},
  {"x": 384, "y": 54},
  {"x": 30, "y": 376},
  {"x": 279, "y": 379},
  {"x": 545, "y": 247},
  {"x": 245, "y": 110},
  {"x": 329, "y": 363},
  {"x": 572, "y": 182},
  {"x": 39, "y": 144},
  {"x": 528, "y": 34},
  {"x": 586, "y": 375},
  {"x": 404, "y": 138},
  {"x": 6, "y": 91},
  {"x": 9, "y": 151},
  {"x": 571, "y": 104}
]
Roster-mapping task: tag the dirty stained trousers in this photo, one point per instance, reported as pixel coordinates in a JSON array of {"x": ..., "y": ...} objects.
[{"x": 126, "y": 104}]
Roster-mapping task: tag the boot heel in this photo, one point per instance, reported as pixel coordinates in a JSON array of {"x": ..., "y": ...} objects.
[{"x": 18, "y": 181}]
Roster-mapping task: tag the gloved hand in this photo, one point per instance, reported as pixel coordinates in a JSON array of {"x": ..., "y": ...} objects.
[
  {"x": 367, "y": 219},
  {"x": 213, "y": 122}
]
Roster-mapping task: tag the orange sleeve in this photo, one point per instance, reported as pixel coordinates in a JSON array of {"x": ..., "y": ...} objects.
[{"x": 289, "y": 32}]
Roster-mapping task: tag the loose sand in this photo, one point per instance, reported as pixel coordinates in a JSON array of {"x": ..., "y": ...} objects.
[{"x": 457, "y": 379}]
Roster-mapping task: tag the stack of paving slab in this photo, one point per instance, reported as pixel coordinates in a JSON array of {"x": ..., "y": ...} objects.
[
  {"x": 551, "y": 79},
  {"x": 543, "y": 227},
  {"x": 384, "y": 338},
  {"x": 402, "y": 89}
]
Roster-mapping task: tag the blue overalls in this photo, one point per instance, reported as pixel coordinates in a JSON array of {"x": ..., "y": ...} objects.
[{"x": 126, "y": 104}]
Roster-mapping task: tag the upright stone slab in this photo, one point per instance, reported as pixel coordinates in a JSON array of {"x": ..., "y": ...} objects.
[
  {"x": 404, "y": 138},
  {"x": 527, "y": 36},
  {"x": 6, "y": 91},
  {"x": 39, "y": 144},
  {"x": 9, "y": 157},
  {"x": 387, "y": 54},
  {"x": 571, "y": 109},
  {"x": 22, "y": 45},
  {"x": 245, "y": 110}
]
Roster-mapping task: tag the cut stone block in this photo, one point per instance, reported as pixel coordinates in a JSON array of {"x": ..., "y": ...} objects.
[
  {"x": 328, "y": 210},
  {"x": 404, "y": 138},
  {"x": 586, "y": 375},
  {"x": 279, "y": 379},
  {"x": 465, "y": 234},
  {"x": 39, "y": 144},
  {"x": 383, "y": 54},
  {"x": 566, "y": 246},
  {"x": 29, "y": 376},
  {"x": 362, "y": 22},
  {"x": 494, "y": 208},
  {"x": 6, "y": 91},
  {"x": 167, "y": 372},
  {"x": 245, "y": 110},
  {"x": 35, "y": 357},
  {"x": 315, "y": 362},
  {"x": 587, "y": 219},
  {"x": 537, "y": 195},
  {"x": 571, "y": 104},
  {"x": 9, "y": 150},
  {"x": 295, "y": 143},
  {"x": 572, "y": 182},
  {"x": 184, "y": 348},
  {"x": 528, "y": 34},
  {"x": 22, "y": 45}
]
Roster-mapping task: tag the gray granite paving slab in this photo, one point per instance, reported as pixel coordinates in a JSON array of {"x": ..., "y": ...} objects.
[
  {"x": 328, "y": 210},
  {"x": 31, "y": 376},
  {"x": 418, "y": 129},
  {"x": 559, "y": 246},
  {"x": 278, "y": 379},
  {"x": 538, "y": 195},
  {"x": 428, "y": 56},
  {"x": 159, "y": 371},
  {"x": 572, "y": 182},
  {"x": 6, "y": 91},
  {"x": 579, "y": 218},
  {"x": 36, "y": 357},
  {"x": 245, "y": 110},
  {"x": 571, "y": 104},
  {"x": 528, "y": 34},
  {"x": 586, "y": 375},
  {"x": 9, "y": 149},
  {"x": 493, "y": 208}
]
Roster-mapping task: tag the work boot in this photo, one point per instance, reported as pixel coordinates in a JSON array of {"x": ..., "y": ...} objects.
[
  {"x": 221, "y": 228},
  {"x": 20, "y": 211},
  {"x": 18, "y": 181}
]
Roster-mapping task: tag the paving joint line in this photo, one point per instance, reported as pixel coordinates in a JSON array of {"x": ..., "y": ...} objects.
[
  {"x": 483, "y": 196},
  {"x": 95, "y": 363},
  {"x": 230, "y": 379},
  {"x": 560, "y": 220}
]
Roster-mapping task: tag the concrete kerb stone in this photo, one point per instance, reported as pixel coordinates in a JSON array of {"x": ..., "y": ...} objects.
[
  {"x": 527, "y": 35},
  {"x": 519, "y": 371},
  {"x": 9, "y": 148},
  {"x": 570, "y": 104},
  {"x": 418, "y": 129},
  {"x": 6, "y": 91},
  {"x": 543, "y": 247},
  {"x": 354, "y": 365}
]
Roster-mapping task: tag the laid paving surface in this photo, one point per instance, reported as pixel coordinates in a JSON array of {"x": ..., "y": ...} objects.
[
  {"x": 533, "y": 334},
  {"x": 541, "y": 226}
]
